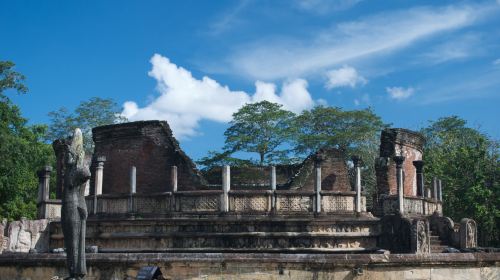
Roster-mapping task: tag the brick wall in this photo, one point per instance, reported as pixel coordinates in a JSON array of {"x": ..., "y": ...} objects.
[{"x": 151, "y": 148}]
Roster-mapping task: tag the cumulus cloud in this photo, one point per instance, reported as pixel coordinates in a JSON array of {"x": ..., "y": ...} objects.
[
  {"x": 383, "y": 33},
  {"x": 344, "y": 77},
  {"x": 185, "y": 100},
  {"x": 400, "y": 93}
]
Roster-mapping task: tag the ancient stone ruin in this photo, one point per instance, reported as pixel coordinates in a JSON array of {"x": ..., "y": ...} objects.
[{"x": 146, "y": 195}]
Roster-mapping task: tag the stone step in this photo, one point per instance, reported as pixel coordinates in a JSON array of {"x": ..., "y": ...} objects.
[{"x": 437, "y": 249}]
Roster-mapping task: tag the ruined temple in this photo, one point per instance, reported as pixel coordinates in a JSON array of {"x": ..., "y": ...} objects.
[{"x": 146, "y": 195}]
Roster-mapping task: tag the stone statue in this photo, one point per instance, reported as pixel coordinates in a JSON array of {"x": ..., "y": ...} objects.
[{"x": 74, "y": 209}]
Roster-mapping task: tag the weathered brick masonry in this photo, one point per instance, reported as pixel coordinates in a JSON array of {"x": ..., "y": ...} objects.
[{"x": 151, "y": 148}]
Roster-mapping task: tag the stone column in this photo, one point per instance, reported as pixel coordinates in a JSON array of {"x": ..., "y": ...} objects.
[
  {"x": 133, "y": 188},
  {"x": 399, "y": 178},
  {"x": 317, "y": 186},
  {"x": 440, "y": 190},
  {"x": 435, "y": 188},
  {"x": 226, "y": 186},
  {"x": 273, "y": 186},
  {"x": 173, "y": 178},
  {"x": 43, "y": 190},
  {"x": 99, "y": 171},
  {"x": 419, "y": 165},
  {"x": 357, "y": 167},
  {"x": 133, "y": 176}
]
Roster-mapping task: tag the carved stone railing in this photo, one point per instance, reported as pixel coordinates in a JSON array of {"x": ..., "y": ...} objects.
[
  {"x": 294, "y": 201},
  {"x": 210, "y": 201},
  {"x": 412, "y": 205},
  {"x": 250, "y": 201},
  {"x": 340, "y": 202},
  {"x": 198, "y": 201}
]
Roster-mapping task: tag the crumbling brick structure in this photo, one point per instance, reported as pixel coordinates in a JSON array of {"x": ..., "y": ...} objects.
[
  {"x": 151, "y": 148},
  {"x": 398, "y": 142}
]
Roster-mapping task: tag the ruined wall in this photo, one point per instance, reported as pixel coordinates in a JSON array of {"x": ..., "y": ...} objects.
[
  {"x": 334, "y": 172},
  {"x": 396, "y": 142},
  {"x": 151, "y": 148}
]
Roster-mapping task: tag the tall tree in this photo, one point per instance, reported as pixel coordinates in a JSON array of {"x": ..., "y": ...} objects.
[
  {"x": 468, "y": 163},
  {"x": 89, "y": 114},
  {"x": 22, "y": 151},
  {"x": 261, "y": 128},
  {"x": 355, "y": 132}
]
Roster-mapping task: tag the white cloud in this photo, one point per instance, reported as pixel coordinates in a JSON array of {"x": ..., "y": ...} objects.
[
  {"x": 379, "y": 34},
  {"x": 344, "y": 77},
  {"x": 400, "y": 93},
  {"x": 496, "y": 61},
  {"x": 228, "y": 20},
  {"x": 185, "y": 100},
  {"x": 455, "y": 48},
  {"x": 325, "y": 6}
]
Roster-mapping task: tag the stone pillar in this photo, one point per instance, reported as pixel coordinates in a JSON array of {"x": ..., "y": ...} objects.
[
  {"x": 440, "y": 190},
  {"x": 435, "y": 188},
  {"x": 273, "y": 178},
  {"x": 357, "y": 167},
  {"x": 226, "y": 186},
  {"x": 133, "y": 188},
  {"x": 273, "y": 187},
  {"x": 133, "y": 176},
  {"x": 99, "y": 171},
  {"x": 173, "y": 178},
  {"x": 317, "y": 187},
  {"x": 43, "y": 191},
  {"x": 419, "y": 165},
  {"x": 429, "y": 193},
  {"x": 399, "y": 179}
]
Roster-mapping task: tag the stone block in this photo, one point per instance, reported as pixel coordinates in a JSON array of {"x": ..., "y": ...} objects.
[{"x": 28, "y": 235}]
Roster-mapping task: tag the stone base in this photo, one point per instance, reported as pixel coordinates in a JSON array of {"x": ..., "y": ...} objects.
[
  {"x": 470, "y": 266},
  {"x": 230, "y": 233}
]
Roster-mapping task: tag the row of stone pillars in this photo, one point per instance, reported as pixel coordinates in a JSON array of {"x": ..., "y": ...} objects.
[
  {"x": 226, "y": 184},
  {"x": 437, "y": 190},
  {"x": 44, "y": 177}
]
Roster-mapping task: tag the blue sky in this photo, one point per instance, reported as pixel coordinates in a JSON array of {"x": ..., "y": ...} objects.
[{"x": 195, "y": 62}]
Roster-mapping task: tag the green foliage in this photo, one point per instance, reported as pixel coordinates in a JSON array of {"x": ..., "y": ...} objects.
[
  {"x": 216, "y": 159},
  {"x": 89, "y": 114},
  {"x": 22, "y": 152},
  {"x": 262, "y": 128},
  {"x": 468, "y": 163},
  {"x": 355, "y": 132}
]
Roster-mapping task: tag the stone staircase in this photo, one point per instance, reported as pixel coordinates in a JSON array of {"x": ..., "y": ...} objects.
[{"x": 437, "y": 245}]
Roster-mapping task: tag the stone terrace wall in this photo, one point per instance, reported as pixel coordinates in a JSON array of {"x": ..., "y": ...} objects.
[
  {"x": 151, "y": 148},
  {"x": 479, "y": 266}
]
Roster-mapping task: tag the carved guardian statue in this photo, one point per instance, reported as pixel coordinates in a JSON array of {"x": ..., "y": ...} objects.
[{"x": 74, "y": 209}]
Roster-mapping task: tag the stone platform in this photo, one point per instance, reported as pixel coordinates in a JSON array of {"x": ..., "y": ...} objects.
[
  {"x": 467, "y": 266},
  {"x": 230, "y": 233}
]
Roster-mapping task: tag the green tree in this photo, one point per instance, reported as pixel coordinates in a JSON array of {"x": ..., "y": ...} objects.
[
  {"x": 89, "y": 114},
  {"x": 261, "y": 128},
  {"x": 22, "y": 151},
  {"x": 468, "y": 163},
  {"x": 355, "y": 132}
]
